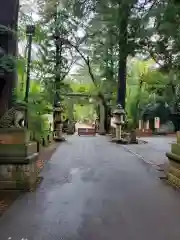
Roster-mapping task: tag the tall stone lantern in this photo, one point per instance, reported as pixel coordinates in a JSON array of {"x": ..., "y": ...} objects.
[
  {"x": 58, "y": 124},
  {"x": 119, "y": 115}
]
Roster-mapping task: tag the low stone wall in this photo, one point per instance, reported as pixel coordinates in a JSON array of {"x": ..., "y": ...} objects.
[{"x": 113, "y": 131}]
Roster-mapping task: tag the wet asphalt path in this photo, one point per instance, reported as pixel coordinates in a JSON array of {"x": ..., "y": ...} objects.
[{"x": 94, "y": 190}]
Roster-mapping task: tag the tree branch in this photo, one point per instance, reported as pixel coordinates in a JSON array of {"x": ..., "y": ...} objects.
[{"x": 86, "y": 60}]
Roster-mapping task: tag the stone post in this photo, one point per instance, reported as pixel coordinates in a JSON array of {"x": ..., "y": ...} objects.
[
  {"x": 157, "y": 123},
  {"x": 147, "y": 125},
  {"x": 8, "y": 48},
  {"x": 140, "y": 124}
]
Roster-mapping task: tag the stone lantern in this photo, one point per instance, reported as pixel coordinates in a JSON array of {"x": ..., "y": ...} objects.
[
  {"x": 58, "y": 124},
  {"x": 119, "y": 115}
]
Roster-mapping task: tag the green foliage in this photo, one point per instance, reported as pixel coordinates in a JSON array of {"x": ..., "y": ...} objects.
[
  {"x": 150, "y": 95},
  {"x": 38, "y": 107},
  {"x": 84, "y": 112},
  {"x": 113, "y": 31},
  {"x": 7, "y": 63},
  {"x": 48, "y": 74}
]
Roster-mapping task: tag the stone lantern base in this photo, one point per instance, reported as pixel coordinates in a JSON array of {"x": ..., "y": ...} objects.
[
  {"x": 58, "y": 126},
  {"x": 119, "y": 141},
  {"x": 18, "y": 156},
  {"x": 119, "y": 121},
  {"x": 58, "y": 133},
  {"x": 122, "y": 138}
]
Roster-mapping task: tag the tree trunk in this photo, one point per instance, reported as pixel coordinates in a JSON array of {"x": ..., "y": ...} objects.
[
  {"x": 102, "y": 119},
  {"x": 124, "y": 10},
  {"x": 107, "y": 122},
  {"x": 122, "y": 82},
  {"x": 137, "y": 103}
]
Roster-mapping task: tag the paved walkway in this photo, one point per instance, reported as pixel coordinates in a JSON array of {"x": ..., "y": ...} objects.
[
  {"x": 94, "y": 190},
  {"x": 154, "y": 152},
  {"x": 160, "y": 143}
]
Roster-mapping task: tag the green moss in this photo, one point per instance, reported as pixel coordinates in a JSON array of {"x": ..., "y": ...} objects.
[{"x": 175, "y": 148}]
